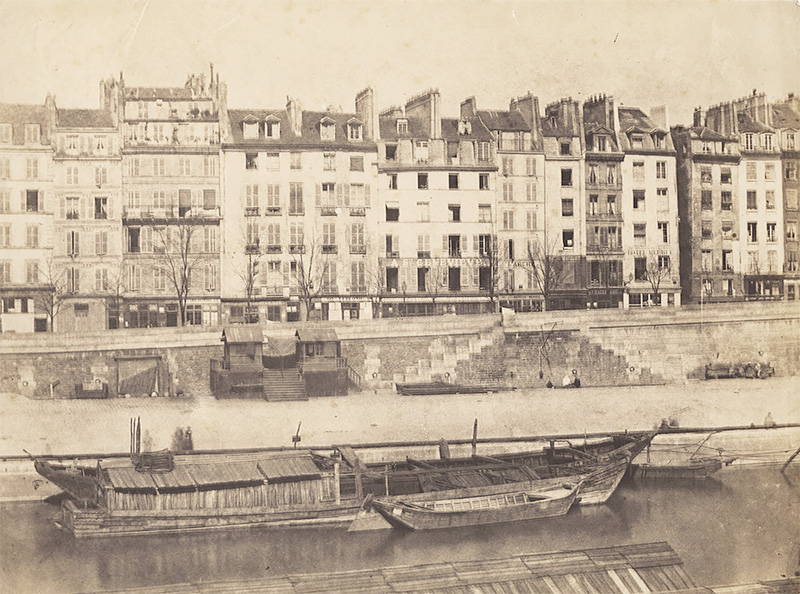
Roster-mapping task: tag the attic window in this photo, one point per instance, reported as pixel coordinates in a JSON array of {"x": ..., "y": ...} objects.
[
  {"x": 250, "y": 129},
  {"x": 565, "y": 148},
  {"x": 602, "y": 143},
  {"x": 658, "y": 140},
  {"x": 402, "y": 126},
  {"x": 327, "y": 130},
  {"x": 32, "y": 133},
  {"x": 637, "y": 140},
  {"x": 464, "y": 127},
  {"x": 272, "y": 129},
  {"x": 354, "y": 131}
]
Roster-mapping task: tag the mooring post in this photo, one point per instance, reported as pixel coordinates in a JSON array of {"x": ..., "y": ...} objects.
[{"x": 475, "y": 439}]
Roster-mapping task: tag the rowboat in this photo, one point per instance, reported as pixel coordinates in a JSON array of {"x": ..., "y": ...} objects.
[
  {"x": 477, "y": 511},
  {"x": 695, "y": 468}
]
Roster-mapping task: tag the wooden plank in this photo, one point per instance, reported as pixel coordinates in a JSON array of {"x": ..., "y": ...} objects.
[{"x": 493, "y": 570}]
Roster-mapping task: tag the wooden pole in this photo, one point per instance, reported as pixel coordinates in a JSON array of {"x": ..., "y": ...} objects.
[
  {"x": 789, "y": 461},
  {"x": 337, "y": 491},
  {"x": 475, "y": 438}
]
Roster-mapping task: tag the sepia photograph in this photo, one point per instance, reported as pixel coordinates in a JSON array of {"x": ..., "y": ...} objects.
[{"x": 382, "y": 296}]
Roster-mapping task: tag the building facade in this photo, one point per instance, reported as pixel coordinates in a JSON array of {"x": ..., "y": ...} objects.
[
  {"x": 300, "y": 203},
  {"x": 26, "y": 217}
]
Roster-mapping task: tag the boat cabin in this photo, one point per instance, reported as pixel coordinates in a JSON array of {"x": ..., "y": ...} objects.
[{"x": 242, "y": 347}]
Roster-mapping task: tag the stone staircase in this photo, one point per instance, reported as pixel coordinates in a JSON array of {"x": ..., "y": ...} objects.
[
  {"x": 282, "y": 385},
  {"x": 449, "y": 354}
]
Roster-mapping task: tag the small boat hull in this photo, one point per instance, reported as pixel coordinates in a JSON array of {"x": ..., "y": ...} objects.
[
  {"x": 694, "y": 469},
  {"x": 477, "y": 511}
]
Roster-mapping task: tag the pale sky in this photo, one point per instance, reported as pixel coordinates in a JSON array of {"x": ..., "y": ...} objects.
[{"x": 645, "y": 53}]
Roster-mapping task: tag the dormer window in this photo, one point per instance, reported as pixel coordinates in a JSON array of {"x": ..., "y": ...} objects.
[
  {"x": 250, "y": 129},
  {"x": 402, "y": 126},
  {"x": 788, "y": 141},
  {"x": 464, "y": 127},
  {"x": 706, "y": 147},
  {"x": 658, "y": 141},
  {"x": 602, "y": 143},
  {"x": 5, "y": 132},
  {"x": 33, "y": 133},
  {"x": 272, "y": 128},
  {"x": 637, "y": 140},
  {"x": 72, "y": 143},
  {"x": 552, "y": 121},
  {"x": 354, "y": 131},
  {"x": 327, "y": 129},
  {"x": 748, "y": 142},
  {"x": 767, "y": 142}
]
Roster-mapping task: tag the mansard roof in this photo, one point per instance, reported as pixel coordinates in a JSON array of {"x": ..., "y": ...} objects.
[
  {"x": 784, "y": 117},
  {"x": 84, "y": 118},
  {"x": 309, "y": 131},
  {"x": 503, "y": 121},
  {"x": 19, "y": 114},
  {"x": 748, "y": 124},
  {"x": 450, "y": 130}
]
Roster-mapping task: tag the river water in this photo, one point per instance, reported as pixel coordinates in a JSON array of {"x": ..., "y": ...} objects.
[{"x": 740, "y": 525}]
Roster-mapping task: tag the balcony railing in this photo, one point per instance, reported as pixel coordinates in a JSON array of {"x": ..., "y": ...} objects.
[
  {"x": 273, "y": 249},
  {"x": 358, "y": 249},
  {"x": 251, "y": 211},
  {"x": 358, "y": 212},
  {"x": 251, "y": 248},
  {"x": 329, "y": 249},
  {"x": 297, "y": 249},
  {"x": 272, "y": 211}
]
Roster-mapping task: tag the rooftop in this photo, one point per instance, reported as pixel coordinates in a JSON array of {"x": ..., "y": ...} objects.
[
  {"x": 504, "y": 121},
  {"x": 784, "y": 117},
  {"x": 84, "y": 118}
]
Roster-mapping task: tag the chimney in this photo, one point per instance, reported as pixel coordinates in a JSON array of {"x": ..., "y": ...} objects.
[
  {"x": 427, "y": 106},
  {"x": 660, "y": 116},
  {"x": 469, "y": 108},
  {"x": 365, "y": 108},
  {"x": 699, "y": 119},
  {"x": 295, "y": 115}
]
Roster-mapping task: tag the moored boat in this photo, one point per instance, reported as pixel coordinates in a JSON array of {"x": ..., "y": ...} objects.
[
  {"x": 479, "y": 510},
  {"x": 694, "y": 468}
]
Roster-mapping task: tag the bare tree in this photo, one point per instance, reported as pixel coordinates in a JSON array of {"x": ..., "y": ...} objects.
[
  {"x": 115, "y": 290},
  {"x": 310, "y": 271},
  {"x": 179, "y": 257},
  {"x": 248, "y": 271},
  {"x": 433, "y": 280},
  {"x": 55, "y": 277},
  {"x": 374, "y": 285},
  {"x": 548, "y": 269},
  {"x": 491, "y": 256},
  {"x": 655, "y": 273}
]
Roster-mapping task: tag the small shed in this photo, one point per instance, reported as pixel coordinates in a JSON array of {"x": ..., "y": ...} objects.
[
  {"x": 243, "y": 346},
  {"x": 324, "y": 370},
  {"x": 318, "y": 343}
]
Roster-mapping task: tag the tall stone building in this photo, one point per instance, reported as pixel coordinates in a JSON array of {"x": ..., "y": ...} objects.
[
  {"x": 651, "y": 265},
  {"x": 87, "y": 246},
  {"x": 171, "y": 211},
  {"x": 26, "y": 216},
  {"x": 300, "y": 211},
  {"x": 437, "y": 219},
  {"x": 709, "y": 205},
  {"x": 760, "y": 182}
]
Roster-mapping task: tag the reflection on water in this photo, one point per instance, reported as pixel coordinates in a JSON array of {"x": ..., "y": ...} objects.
[{"x": 739, "y": 526}]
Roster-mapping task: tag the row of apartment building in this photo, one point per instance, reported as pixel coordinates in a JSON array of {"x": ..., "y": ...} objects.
[{"x": 165, "y": 207}]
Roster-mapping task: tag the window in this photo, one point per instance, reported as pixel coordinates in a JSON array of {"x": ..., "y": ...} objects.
[
  {"x": 788, "y": 141},
  {"x": 484, "y": 152},
  {"x": 706, "y": 148},
  {"x": 639, "y": 232},
  {"x": 5, "y": 132},
  {"x": 159, "y": 279},
  {"x": 5, "y": 236},
  {"x": 5, "y": 200},
  {"x": 295, "y": 160},
  {"x": 329, "y": 162},
  {"x": 31, "y": 272},
  {"x": 296, "y": 237},
  {"x": 251, "y": 160},
  {"x": 752, "y": 232},
  {"x": 100, "y": 207},
  {"x": 752, "y": 262},
  {"x": 752, "y": 200},
  {"x": 727, "y": 260},
  {"x": 328, "y": 237},
  {"x": 770, "y": 232},
  {"x": 484, "y": 245},
  {"x": 791, "y": 265},
  {"x": 421, "y": 151},
  {"x": 593, "y": 174},
  {"x": 327, "y": 129},
  {"x": 770, "y": 199},
  {"x": 483, "y": 181},
  {"x": 358, "y": 281},
  {"x": 663, "y": 198},
  {"x": 706, "y": 260},
  {"x": 638, "y": 199},
  {"x": 661, "y": 170},
  {"x": 530, "y": 220},
  {"x": 705, "y": 175},
  {"x": 72, "y": 175},
  {"x": 210, "y": 239},
  {"x": 356, "y": 163},
  {"x": 568, "y": 238},
  {"x": 159, "y": 167},
  {"x": 328, "y": 195},
  {"x": 392, "y": 212},
  {"x": 611, "y": 174},
  {"x": 5, "y": 168},
  {"x": 402, "y": 126},
  {"x": 508, "y": 191},
  {"x": 72, "y": 207},
  {"x": 752, "y": 171},
  {"x": 32, "y": 169},
  {"x": 296, "y": 206},
  {"x": 484, "y": 213},
  {"x": 33, "y": 133},
  {"x": 422, "y": 181},
  {"x": 272, "y": 129},
  {"x": 791, "y": 199},
  {"x": 452, "y": 181},
  {"x": 423, "y": 246},
  {"x": 564, "y": 147},
  {"x": 32, "y": 236},
  {"x": 725, "y": 175},
  {"x": 357, "y": 238},
  {"x": 638, "y": 170},
  {"x": 391, "y": 152},
  {"x": 727, "y": 200},
  {"x": 640, "y": 269},
  {"x": 101, "y": 279},
  {"x": 5, "y": 271},
  {"x": 454, "y": 213},
  {"x": 611, "y": 204},
  {"x": 658, "y": 141},
  {"x": 273, "y": 235},
  {"x": 593, "y": 204},
  {"x": 602, "y": 143},
  {"x": 530, "y": 166},
  {"x": 748, "y": 142},
  {"x": 354, "y": 131},
  {"x": 251, "y": 198},
  {"x": 769, "y": 171},
  {"x": 566, "y": 177},
  {"x": 273, "y": 161},
  {"x": 663, "y": 227},
  {"x": 530, "y": 191},
  {"x": 767, "y": 142},
  {"x": 184, "y": 166},
  {"x": 663, "y": 262},
  {"x": 209, "y": 166},
  {"x": 772, "y": 261},
  {"x": 727, "y": 229},
  {"x": 706, "y": 229},
  {"x": 566, "y": 207},
  {"x": 454, "y": 246},
  {"x": 101, "y": 243},
  {"x": 133, "y": 167},
  {"x": 508, "y": 220}
]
